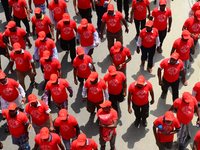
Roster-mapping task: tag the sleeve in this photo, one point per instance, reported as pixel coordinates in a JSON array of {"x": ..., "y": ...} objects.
[
  {"x": 177, "y": 125},
  {"x": 33, "y": 19},
  {"x": 193, "y": 8},
  {"x": 128, "y": 53},
  {"x": 73, "y": 145},
  {"x": 58, "y": 139},
  {"x": 24, "y": 2},
  {"x": 36, "y": 52},
  {"x": 112, "y": 50},
  {"x": 23, "y": 32},
  {"x": 11, "y": 57},
  {"x": 74, "y": 24},
  {"x": 197, "y": 137},
  {"x": 15, "y": 83},
  {"x": 59, "y": 26},
  {"x": 130, "y": 89},
  {"x": 55, "y": 52},
  {"x": 74, "y": 63},
  {"x": 95, "y": 146},
  {"x": 74, "y": 121},
  {"x": 133, "y": 4},
  {"x": 153, "y": 13},
  {"x": 105, "y": 78},
  {"x": 120, "y": 16},
  {"x": 9, "y": 2},
  {"x": 150, "y": 86},
  {"x": 195, "y": 101},
  {"x": 57, "y": 122},
  {"x": 162, "y": 65},
  {"x": 25, "y": 120},
  {"x": 175, "y": 104},
  {"x": 96, "y": 37},
  {"x": 21, "y": 90},
  {"x": 6, "y": 33},
  {"x": 104, "y": 17},
  {"x": 29, "y": 56},
  {"x": 26, "y": 111},
  {"x": 169, "y": 13},
  {"x": 114, "y": 115},
  {"x": 46, "y": 108},
  {"x": 46, "y": 95},
  {"x": 4, "y": 112},
  {"x": 37, "y": 139},
  {"x": 147, "y": 2},
  {"x": 196, "y": 87},
  {"x": 156, "y": 122},
  {"x": 186, "y": 23},
  {"x": 58, "y": 64},
  {"x": 175, "y": 45},
  {"x": 123, "y": 76},
  {"x": 104, "y": 84}
]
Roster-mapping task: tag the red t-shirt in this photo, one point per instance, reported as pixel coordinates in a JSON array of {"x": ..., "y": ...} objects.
[
  {"x": 101, "y": 3},
  {"x": 192, "y": 25},
  {"x": 120, "y": 57},
  {"x": 113, "y": 22},
  {"x": 148, "y": 38},
  {"x": 41, "y": 24},
  {"x": 58, "y": 9},
  {"x": 140, "y": 96},
  {"x": 92, "y": 145},
  {"x": 115, "y": 83},
  {"x": 18, "y": 8},
  {"x": 67, "y": 31},
  {"x": 83, "y": 70},
  {"x": 171, "y": 72},
  {"x": 50, "y": 67},
  {"x": 197, "y": 139},
  {"x": 50, "y": 145},
  {"x": 8, "y": 91},
  {"x": 22, "y": 60},
  {"x": 84, "y": 4},
  {"x": 160, "y": 18},
  {"x": 67, "y": 128},
  {"x": 17, "y": 124},
  {"x": 38, "y": 2},
  {"x": 87, "y": 38},
  {"x": 196, "y": 88},
  {"x": 58, "y": 91},
  {"x": 140, "y": 12},
  {"x": 95, "y": 92},
  {"x": 167, "y": 128},
  {"x": 196, "y": 6},
  {"x": 43, "y": 46},
  {"x": 185, "y": 111},
  {"x": 38, "y": 114},
  {"x": 2, "y": 44},
  {"x": 17, "y": 36}
]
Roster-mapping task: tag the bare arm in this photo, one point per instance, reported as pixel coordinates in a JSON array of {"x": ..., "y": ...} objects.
[
  {"x": 111, "y": 59},
  {"x": 171, "y": 108},
  {"x": 125, "y": 24},
  {"x": 195, "y": 145},
  {"x": 125, "y": 87},
  {"x": 60, "y": 72},
  {"x": 10, "y": 11},
  {"x": 152, "y": 96},
  {"x": 173, "y": 50},
  {"x": 131, "y": 17},
  {"x": 28, "y": 12},
  {"x": 36, "y": 146},
  {"x": 30, "y": 8},
  {"x": 170, "y": 23},
  {"x": 51, "y": 122},
  {"x": 33, "y": 28},
  {"x": 61, "y": 146},
  {"x": 75, "y": 8},
  {"x": 129, "y": 102}
]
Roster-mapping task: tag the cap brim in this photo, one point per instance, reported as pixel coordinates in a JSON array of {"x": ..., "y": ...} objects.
[
  {"x": 66, "y": 19},
  {"x": 80, "y": 143},
  {"x": 1, "y": 78},
  {"x": 32, "y": 101},
  {"x": 148, "y": 25},
  {"x": 186, "y": 37},
  {"x": 188, "y": 100},
  {"x": 44, "y": 136},
  {"x": 83, "y": 25},
  {"x": 81, "y": 53},
  {"x": 41, "y": 38},
  {"x": 141, "y": 83},
  {"x": 113, "y": 73},
  {"x": 8, "y": 27},
  {"x": 18, "y": 49},
  {"x": 169, "y": 119},
  {"x": 91, "y": 79},
  {"x": 162, "y": 3},
  {"x": 52, "y": 81},
  {"x": 12, "y": 108},
  {"x": 174, "y": 57},
  {"x": 63, "y": 118},
  {"x": 37, "y": 12}
]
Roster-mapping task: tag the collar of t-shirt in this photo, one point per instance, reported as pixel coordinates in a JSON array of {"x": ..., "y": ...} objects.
[
  {"x": 137, "y": 1},
  {"x": 22, "y": 51},
  {"x": 98, "y": 81},
  {"x": 145, "y": 83},
  {"x": 38, "y": 104},
  {"x": 164, "y": 10},
  {"x": 151, "y": 31},
  {"x": 42, "y": 17},
  {"x": 5, "y": 83},
  {"x": 112, "y": 14},
  {"x": 50, "y": 139},
  {"x": 175, "y": 63}
]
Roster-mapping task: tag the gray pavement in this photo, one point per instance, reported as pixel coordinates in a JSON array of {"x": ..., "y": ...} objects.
[{"x": 128, "y": 137}]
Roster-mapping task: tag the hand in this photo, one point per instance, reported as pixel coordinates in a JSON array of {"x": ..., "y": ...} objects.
[
  {"x": 26, "y": 138},
  {"x": 152, "y": 101},
  {"x": 12, "y": 71},
  {"x": 138, "y": 50},
  {"x": 83, "y": 99},
  {"x": 51, "y": 129},
  {"x": 97, "y": 44},
  {"x": 161, "y": 83},
  {"x": 23, "y": 100},
  {"x": 169, "y": 29},
  {"x": 29, "y": 19},
  {"x": 124, "y": 94},
  {"x": 33, "y": 34},
  {"x": 101, "y": 124},
  {"x": 7, "y": 54},
  {"x": 11, "y": 17},
  {"x": 148, "y": 16},
  {"x": 101, "y": 36},
  {"x": 75, "y": 81},
  {"x": 192, "y": 52},
  {"x": 131, "y": 20},
  {"x": 77, "y": 41},
  {"x": 29, "y": 45},
  {"x": 77, "y": 12},
  {"x": 34, "y": 73},
  {"x": 130, "y": 110},
  {"x": 29, "y": 126},
  {"x": 48, "y": 5},
  {"x": 57, "y": 41},
  {"x": 157, "y": 143},
  {"x": 30, "y": 10},
  {"x": 53, "y": 38},
  {"x": 198, "y": 122},
  {"x": 127, "y": 30},
  {"x": 158, "y": 49},
  {"x": 70, "y": 95},
  {"x": 92, "y": 7},
  {"x": 119, "y": 67},
  {"x": 10, "y": 47},
  {"x": 164, "y": 133}
]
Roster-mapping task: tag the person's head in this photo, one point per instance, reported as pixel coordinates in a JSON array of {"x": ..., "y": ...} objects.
[
  {"x": 12, "y": 107},
  {"x": 42, "y": 36},
  {"x": 17, "y": 48},
  {"x": 174, "y": 58},
  {"x": 197, "y": 15},
  {"x": 106, "y": 106},
  {"x": 53, "y": 79},
  {"x": 93, "y": 78},
  {"x": 81, "y": 140},
  {"x": 140, "y": 0},
  {"x": 84, "y": 23},
  {"x": 32, "y": 98},
  {"x": 3, "y": 78},
  {"x": 63, "y": 114},
  {"x": 185, "y": 35},
  {"x": 162, "y": 5},
  {"x": 112, "y": 70},
  {"x": 80, "y": 51},
  {"x": 38, "y": 12},
  {"x": 56, "y": 1},
  {"x": 11, "y": 26},
  {"x": 140, "y": 81},
  {"x": 117, "y": 46},
  {"x": 44, "y": 134},
  {"x": 66, "y": 18},
  {"x": 149, "y": 26},
  {"x": 46, "y": 55},
  {"x": 187, "y": 97},
  {"x": 169, "y": 116},
  {"x": 110, "y": 9}
]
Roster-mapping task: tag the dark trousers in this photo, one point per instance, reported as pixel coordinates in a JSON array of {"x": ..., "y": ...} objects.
[
  {"x": 148, "y": 52},
  {"x": 162, "y": 35},
  {"x": 139, "y": 25},
  {"x": 6, "y": 9},
  {"x": 25, "y": 21},
  {"x": 71, "y": 44},
  {"x": 100, "y": 10},
  {"x": 174, "y": 85},
  {"x": 115, "y": 99},
  {"x": 126, "y": 6},
  {"x": 112, "y": 143},
  {"x": 141, "y": 111},
  {"x": 86, "y": 13},
  {"x": 49, "y": 98}
]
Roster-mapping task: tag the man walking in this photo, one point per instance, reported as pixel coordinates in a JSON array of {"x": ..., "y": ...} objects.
[{"x": 40, "y": 4}]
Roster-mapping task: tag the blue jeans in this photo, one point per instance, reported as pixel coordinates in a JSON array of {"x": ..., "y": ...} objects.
[
  {"x": 195, "y": 43},
  {"x": 42, "y": 7},
  {"x": 100, "y": 10},
  {"x": 186, "y": 64}
]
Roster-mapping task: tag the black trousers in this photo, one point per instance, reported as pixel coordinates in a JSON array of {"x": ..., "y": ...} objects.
[
  {"x": 6, "y": 9},
  {"x": 100, "y": 10},
  {"x": 25, "y": 21},
  {"x": 139, "y": 25},
  {"x": 148, "y": 52},
  {"x": 126, "y": 6},
  {"x": 86, "y": 13},
  {"x": 141, "y": 111},
  {"x": 115, "y": 99},
  {"x": 162, "y": 35},
  {"x": 49, "y": 98},
  {"x": 174, "y": 85},
  {"x": 72, "y": 47}
]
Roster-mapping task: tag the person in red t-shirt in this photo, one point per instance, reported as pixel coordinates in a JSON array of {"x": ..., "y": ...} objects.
[
  {"x": 24, "y": 63},
  {"x": 67, "y": 126},
  {"x": 82, "y": 66},
  {"x": 20, "y": 11},
  {"x": 196, "y": 144},
  {"x": 107, "y": 117},
  {"x": 186, "y": 106},
  {"x": 56, "y": 86},
  {"x": 172, "y": 66},
  {"x": 3, "y": 47},
  {"x": 148, "y": 40},
  {"x": 196, "y": 92},
  {"x": 139, "y": 95},
  {"x": 194, "y": 8},
  {"x": 88, "y": 36},
  {"x": 84, "y": 143},
  {"x": 48, "y": 140},
  {"x": 16, "y": 34},
  {"x": 40, "y": 4},
  {"x": 94, "y": 89},
  {"x": 66, "y": 28},
  {"x": 117, "y": 86},
  {"x": 165, "y": 134},
  {"x": 39, "y": 113},
  {"x": 118, "y": 54},
  {"x": 139, "y": 13},
  {"x": 42, "y": 23},
  {"x": 113, "y": 20},
  {"x": 18, "y": 126}
]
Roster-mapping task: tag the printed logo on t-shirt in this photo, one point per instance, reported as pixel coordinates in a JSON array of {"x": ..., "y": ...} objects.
[
  {"x": 187, "y": 110},
  {"x": 19, "y": 60},
  {"x": 149, "y": 38},
  {"x": 141, "y": 93},
  {"x": 7, "y": 91},
  {"x": 35, "y": 114},
  {"x": 112, "y": 22},
  {"x": 184, "y": 48},
  {"x": 161, "y": 18},
  {"x": 83, "y": 66},
  {"x": 113, "y": 82},
  {"x": 13, "y": 123},
  {"x": 43, "y": 48},
  {"x": 139, "y": 8},
  {"x": 16, "y": 6},
  {"x": 86, "y": 34},
  {"x": 57, "y": 10},
  {"x": 106, "y": 119},
  {"x": 64, "y": 128},
  {"x": 94, "y": 90},
  {"x": 47, "y": 67},
  {"x": 167, "y": 129},
  {"x": 46, "y": 147},
  {"x": 195, "y": 27},
  {"x": 172, "y": 70},
  {"x": 14, "y": 38},
  {"x": 66, "y": 30},
  {"x": 40, "y": 24},
  {"x": 117, "y": 56},
  {"x": 56, "y": 91}
]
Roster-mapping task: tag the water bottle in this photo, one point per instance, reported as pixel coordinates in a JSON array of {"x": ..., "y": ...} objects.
[{"x": 160, "y": 127}]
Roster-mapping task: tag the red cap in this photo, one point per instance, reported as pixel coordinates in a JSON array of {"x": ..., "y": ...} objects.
[
  {"x": 37, "y": 10},
  {"x": 187, "y": 97},
  {"x": 141, "y": 80},
  {"x": 175, "y": 55},
  {"x": 66, "y": 17},
  {"x": 2, "y": 75},
  {"x": 41, "y": 35},
  {"x": 32, "y": 98},
  {"x": 17, "y": 46},
  {"x": 80, "y": 51},
  {"x": 186, "y": 34},
  {"x": 117, "y": 46},
  {"x": 112, "y": 70},
  {"x": 44, "y": 133},
  {"x": 63, "y": 114},
  {"x": 81, "y": 139},
  {"x": 93, "y": 76},
  {"x": 163, "y": 2},
  {"x": 110, "y": 7},
  {"x": 46, "y": 54},
  {"x": 84, "y": 22},
  {"x": 169, "y": 116},
  {"x": 106, "y": 103},
  {"x": 11, "y": 24},
  {"x": 53, "y": 78},
  {"x": 149, "y": 23},
  {"x": 12, "y": 106},
  {"x": 197, "y": 14}
]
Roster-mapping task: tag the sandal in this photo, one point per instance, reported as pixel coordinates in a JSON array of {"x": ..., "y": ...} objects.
[
  {"x": 34, "y": 84},
  {"x": 149, "y": 69},
  {"x": 163, "y": 95}
]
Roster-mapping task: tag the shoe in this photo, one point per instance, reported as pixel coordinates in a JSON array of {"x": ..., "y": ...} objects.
[
  {"x": 144, "y": 122},
  {"x": 127, "y": 19},
  {"x": 149, "y": 69},
  {"x": 136, "y": 123},
  {"x": 160, "y": 51},
  {"x": 163, "y": 95},
  {"x": 142, "y": 63}
]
